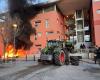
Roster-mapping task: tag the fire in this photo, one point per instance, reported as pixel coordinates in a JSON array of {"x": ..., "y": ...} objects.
[
  {"x": 21, "y": 52},
  {"x": 11, "y": 52}
]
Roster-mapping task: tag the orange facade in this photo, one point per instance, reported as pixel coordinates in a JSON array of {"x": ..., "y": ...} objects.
[
  {"x": 96, "y": 22},
  {"x": 49, "y": 26},
  {"x": 1, "y": 46}
]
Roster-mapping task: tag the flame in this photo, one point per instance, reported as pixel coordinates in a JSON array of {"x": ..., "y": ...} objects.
[
  {"x": 21, "y": 52},
  {"x": 11, "y": 52}
]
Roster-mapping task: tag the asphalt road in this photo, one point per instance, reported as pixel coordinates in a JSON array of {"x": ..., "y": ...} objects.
[
  {"x": 84, "y": 71},
  {"x": 23, "y": 73}
]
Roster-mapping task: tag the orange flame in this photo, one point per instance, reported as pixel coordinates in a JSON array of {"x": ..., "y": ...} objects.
[
  {"x": 21, "y": 52},
  {"x": 11, "y": 52}
]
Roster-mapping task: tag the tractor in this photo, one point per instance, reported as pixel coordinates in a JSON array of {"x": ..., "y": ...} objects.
[{"x": 55, "y": 52}]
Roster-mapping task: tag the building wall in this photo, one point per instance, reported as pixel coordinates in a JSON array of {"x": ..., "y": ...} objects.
[
  {"x": 55, "y": 25},
  {"x": 96, "y": 21},
  {"x": 1, "y": 46},
  {"x": 92, "y": 25}
]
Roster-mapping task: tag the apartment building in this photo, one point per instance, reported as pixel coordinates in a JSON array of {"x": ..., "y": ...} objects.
[
  {"x": 95, "y": 22},
  {"x": 49, "y": 25}
]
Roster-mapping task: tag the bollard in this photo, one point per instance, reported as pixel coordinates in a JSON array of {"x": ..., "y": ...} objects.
[
  {"x": 26, "y": 57},
  {"x": 34, "y": 58}
]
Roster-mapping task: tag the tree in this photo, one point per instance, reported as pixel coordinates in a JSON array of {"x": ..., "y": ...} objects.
[{"x": 7, "y": 31}]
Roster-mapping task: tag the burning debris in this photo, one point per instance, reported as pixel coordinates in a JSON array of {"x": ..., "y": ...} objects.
[{"x": 9, "y": 51}]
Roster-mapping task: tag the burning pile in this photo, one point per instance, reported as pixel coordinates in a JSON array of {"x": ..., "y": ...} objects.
[
  {"x": 11, "y": 52},
  {"x": 21, "y": 52}
]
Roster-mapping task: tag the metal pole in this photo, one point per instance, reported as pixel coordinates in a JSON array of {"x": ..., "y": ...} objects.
[
  {"x": 14, "y": 43},
  {"x": 15, "y": 28}
]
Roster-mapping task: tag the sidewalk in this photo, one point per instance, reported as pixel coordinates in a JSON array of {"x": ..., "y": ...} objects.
[{"x": 12, "y": 67}]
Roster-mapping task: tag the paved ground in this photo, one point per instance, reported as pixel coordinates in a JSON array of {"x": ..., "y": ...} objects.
[
  {"x": 31, "y": 70},
  {"x": 13, "y": 67},
  {"x": 83, "y": 72}
]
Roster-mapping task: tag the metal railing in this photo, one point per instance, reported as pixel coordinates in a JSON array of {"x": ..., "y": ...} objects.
[{"x": 81, "y": 50}]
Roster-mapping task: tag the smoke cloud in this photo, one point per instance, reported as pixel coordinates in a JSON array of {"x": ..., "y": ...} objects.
[{"x": 25, "y": 12}]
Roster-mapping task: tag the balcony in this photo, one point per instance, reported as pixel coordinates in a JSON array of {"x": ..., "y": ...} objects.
[
  {"x": 86, "y": 28},
  {"x": 70, "y": 32},
  {"x": 69, "y": 6}
]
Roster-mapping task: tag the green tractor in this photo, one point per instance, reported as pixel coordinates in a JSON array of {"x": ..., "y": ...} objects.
[{"x": 55, "y": 52}]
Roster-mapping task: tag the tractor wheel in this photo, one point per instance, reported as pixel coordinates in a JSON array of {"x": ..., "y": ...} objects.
[
  {"x": 67, "y": 56},
  {"x": 74, "y": 60},
  {"x": 59, "y": 58}
]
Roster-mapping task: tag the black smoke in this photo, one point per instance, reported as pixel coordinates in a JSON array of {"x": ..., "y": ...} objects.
[{"x": 25, "y": 13}]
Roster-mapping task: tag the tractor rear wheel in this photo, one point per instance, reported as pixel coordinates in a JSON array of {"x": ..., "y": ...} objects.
[{"x": 59, "y": 58}]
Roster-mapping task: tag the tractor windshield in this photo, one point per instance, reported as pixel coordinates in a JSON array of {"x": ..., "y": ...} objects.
[{"x": 54, "y": 43}]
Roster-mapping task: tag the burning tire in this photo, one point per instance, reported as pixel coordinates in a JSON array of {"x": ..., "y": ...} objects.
[{"x": 59, "y": 58}]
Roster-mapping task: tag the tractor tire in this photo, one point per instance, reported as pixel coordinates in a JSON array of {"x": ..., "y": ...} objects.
[
  {"x": 67, "y": 56},
  {"x": 59, "y": 58},
  {"x": 74, "y": 60}
]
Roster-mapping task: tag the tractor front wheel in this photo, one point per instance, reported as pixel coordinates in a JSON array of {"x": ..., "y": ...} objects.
[{"x": 59, "y": 58}]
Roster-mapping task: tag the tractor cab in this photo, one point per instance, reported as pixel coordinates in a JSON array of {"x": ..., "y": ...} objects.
[
  {"x": 51, "y": 46},
  {"x": 54, "y": 43}
]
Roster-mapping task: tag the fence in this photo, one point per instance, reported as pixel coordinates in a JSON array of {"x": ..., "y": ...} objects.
[{"x": 82, "y": 52}]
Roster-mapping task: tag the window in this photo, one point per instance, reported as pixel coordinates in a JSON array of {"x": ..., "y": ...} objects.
[
  {"x": 98, "y": 11},
  {"x": 39, "y": 34},
  {"x": 86, "y": 23},
  {"x": 57, "y": 20},
  {"x": 48, "y": 33},
  {"x": 87, "y": 32},
  {"x": 35, "y": 37},
  {"x": 37, "y": 23},
  {"x": 58, "y": 32},
  {"x": 87, "y": 38},
  {"x": 80, "y": 36},
  {"x": 79, "y": 14},
  {"x": 79, "y": 24},
  {"x": 46, "y": 23}
]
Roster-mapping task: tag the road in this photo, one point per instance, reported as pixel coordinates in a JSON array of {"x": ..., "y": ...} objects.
[{"x": 84, "y": 71}]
